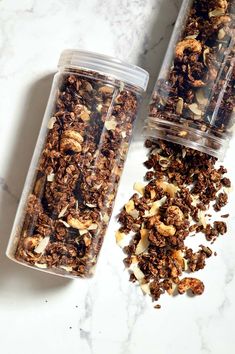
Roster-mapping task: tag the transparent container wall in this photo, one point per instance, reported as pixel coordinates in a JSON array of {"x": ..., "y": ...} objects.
[
  {"x": 194, "y": 97},
  {"x": 72, "y": 182}
]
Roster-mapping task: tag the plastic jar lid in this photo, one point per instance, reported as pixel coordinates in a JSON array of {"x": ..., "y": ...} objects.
[{"x": 104, "y": 64}]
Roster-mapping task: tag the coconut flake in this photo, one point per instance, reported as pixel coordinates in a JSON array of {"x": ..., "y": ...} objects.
[
  {"x": 65, "y": 223},
  {"x": 134, "y": 214},
  {"x": 180, "y": 105},
  {"x": 139, "y": 187},
  {"x": 138, "y": 273},
  {"x": 194, "y": 108},
  {"x": 67, "y": 268},
  {"x": 145, "y": 287},
  {"x": 119, "y": 238},
  {"x": 92, "y": 227},
  {"x": 217, "y": 12},
  {"x": 143, "y": 243},
  {"x": 50, "y": 177},
  {"x": 51, "y": 122},
  {"x": 155, "y": 207},
  {"x": 41, "y": 265},
  {"x": 110, "y": 124},
  {"x": 129, "y": 206},
  {"x": 42, "y": 245},
  {"x": 202, "y": 218}
]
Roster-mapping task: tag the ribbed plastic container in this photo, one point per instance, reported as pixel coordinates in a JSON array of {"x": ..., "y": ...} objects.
[
  {"x": 73, "y": 178},
  {"x": 194, "y": 97}
]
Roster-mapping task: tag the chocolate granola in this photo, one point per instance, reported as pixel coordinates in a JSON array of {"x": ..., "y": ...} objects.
[
  {"x": 194, "y": 100},
  {"x": 76, "y": 180},
  {"x": 182, "y": 184}
]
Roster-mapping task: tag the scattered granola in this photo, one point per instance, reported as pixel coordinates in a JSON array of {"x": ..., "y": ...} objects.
[
  {"x": 79, "y": 170},
  {"x": 169, "y": 208}
]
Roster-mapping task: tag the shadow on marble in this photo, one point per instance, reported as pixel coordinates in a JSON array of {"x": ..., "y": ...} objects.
[
  {"x": 154, "y": 51},
  {"x": 30, "y": 121}
]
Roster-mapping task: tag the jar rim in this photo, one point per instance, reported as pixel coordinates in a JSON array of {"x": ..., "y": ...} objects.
[{"x": 104, "y": 64}]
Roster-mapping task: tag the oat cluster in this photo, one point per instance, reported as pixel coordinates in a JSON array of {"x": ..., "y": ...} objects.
[{"x": 182, "y": 184}]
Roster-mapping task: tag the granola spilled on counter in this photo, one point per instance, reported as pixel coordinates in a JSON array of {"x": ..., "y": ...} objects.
[
  {"x": 78, "y": 173},
  {"x": 182, "y": 184}
]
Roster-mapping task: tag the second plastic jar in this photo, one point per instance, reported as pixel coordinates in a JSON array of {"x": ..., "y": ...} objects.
[
  {"x": 193, "y": 101},
  {"x": 73, "y": 178}
]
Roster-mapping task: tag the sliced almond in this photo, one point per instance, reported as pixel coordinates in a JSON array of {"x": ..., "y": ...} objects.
[
  {"x": 64, "y": 223},
  {"x": 63, "y": 211},
  {"x": 42, "y": 245},
  {"x": 91, "y": 205},
  {"x": 51, "y": 122},
  {"x": 143, "y": 243}
]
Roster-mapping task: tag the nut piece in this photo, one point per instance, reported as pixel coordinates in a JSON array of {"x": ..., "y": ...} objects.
[
  {"x": 188, "y": 43},
  {"x": 165, "y": 230},
  {"x": 72, "y": 134},
  {"x": 71, "y": 140},
  {"x": 193, "y": 284},
  {"x": 175, "y": 212},
  {"x": 77, "y": 224},
  {"x": 51, "y": 122},
  {"x": 31, "y": 242}
]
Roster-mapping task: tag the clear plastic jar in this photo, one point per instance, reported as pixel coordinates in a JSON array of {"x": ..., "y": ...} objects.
[
  {"x": 194, "y": 97},
  {"x": 72, "y": 182}
]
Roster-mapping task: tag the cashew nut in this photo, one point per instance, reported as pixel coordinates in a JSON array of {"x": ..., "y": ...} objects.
[
  {"x": 195, "y": 285},
  {"x": 188, "y": 43},
  {"x": 71, "y": 141},
  {"x": 165, "y": 230}
]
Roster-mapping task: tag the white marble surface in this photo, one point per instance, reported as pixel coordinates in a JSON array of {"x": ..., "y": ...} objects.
[{"x": 41, "y": 313}]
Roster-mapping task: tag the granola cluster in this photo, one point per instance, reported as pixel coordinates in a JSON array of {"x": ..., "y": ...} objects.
[
  {"x": 198, "y": 91},
  {"x": 182, "y": 183},
  {"x": 69, "y": 208}
]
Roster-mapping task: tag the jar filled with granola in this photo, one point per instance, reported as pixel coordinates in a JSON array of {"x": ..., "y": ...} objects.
[
  {"x": 70, "y": 189},
  {"x": 193, "y": 102}
]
